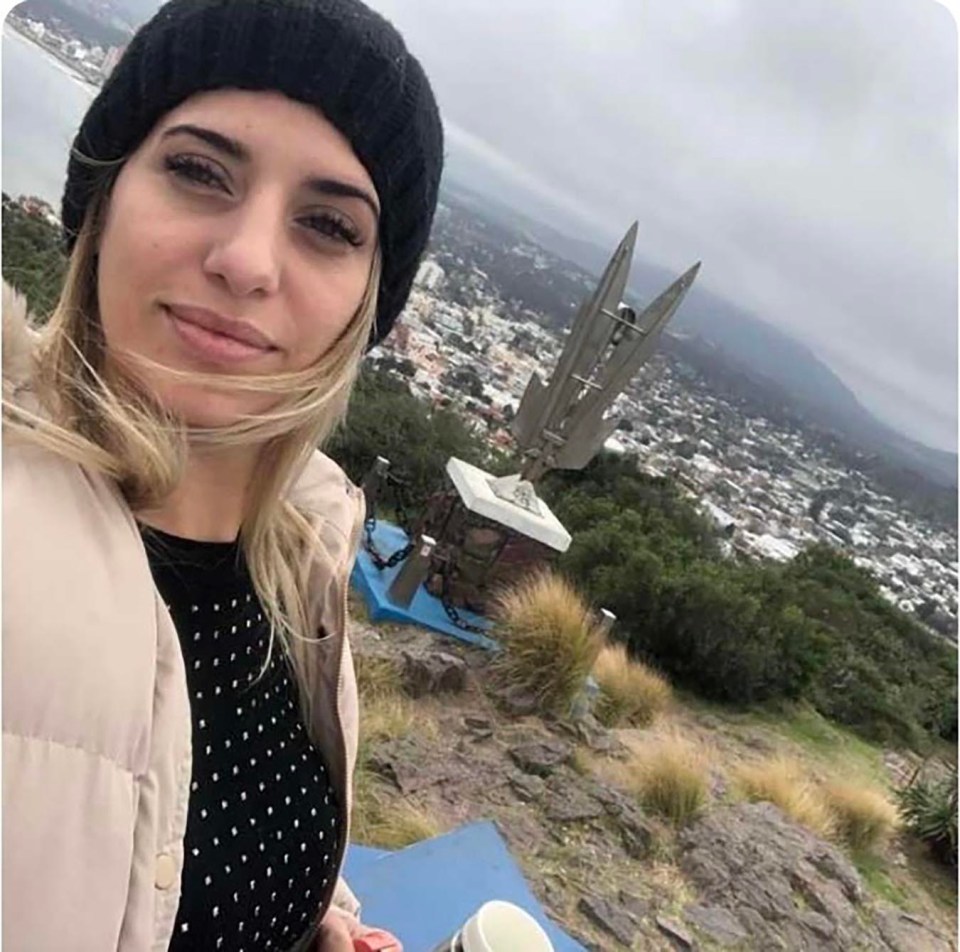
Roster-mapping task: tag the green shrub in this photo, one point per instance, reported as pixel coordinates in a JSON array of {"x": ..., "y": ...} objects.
[
  {"x": 929, "y": 810},
  {"x": 386, "y": 419},
  {"x": 33, "y": 258},
  {"x": 745, "y": 631}
]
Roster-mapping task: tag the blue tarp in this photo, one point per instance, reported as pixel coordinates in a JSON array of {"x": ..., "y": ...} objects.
[
  {"x": 424, "y": 610},
  {"x": 424, "y": 893}
]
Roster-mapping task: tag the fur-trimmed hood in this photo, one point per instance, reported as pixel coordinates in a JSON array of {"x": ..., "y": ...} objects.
[{"x": 19, "y": 341}]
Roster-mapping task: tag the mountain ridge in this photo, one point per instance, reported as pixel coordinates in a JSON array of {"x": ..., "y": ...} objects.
[{"x": 752, "y": 346}]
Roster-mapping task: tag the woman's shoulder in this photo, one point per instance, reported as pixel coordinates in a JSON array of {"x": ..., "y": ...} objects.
[{"x": 47, "y": 494}]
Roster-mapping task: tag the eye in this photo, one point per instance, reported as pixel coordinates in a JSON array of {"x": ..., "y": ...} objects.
[
  {"x": 328, "y": 224},
  {"x": 196, "y": 170}
]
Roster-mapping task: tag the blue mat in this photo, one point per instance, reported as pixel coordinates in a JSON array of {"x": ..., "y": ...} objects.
[
  {"x": 360, "y": 859},
  {"x": 424, "y": 610},
  {"x": 424, "y": 893}
]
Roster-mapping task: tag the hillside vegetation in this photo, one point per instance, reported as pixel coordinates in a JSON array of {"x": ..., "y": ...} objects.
[{"x": 744, "y": 633}]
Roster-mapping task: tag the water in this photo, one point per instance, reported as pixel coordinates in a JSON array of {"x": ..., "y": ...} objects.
[{"x": 43, "y": 103}]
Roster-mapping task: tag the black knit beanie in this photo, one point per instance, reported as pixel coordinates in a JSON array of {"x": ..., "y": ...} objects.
[{"x": 337, "y": 55}]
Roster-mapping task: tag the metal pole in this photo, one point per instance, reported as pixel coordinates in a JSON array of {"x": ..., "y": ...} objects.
[
  {"x": 607, "y": 621},
  {"x": 371, "y": 483},
  {"x": 413, "y": 572}
]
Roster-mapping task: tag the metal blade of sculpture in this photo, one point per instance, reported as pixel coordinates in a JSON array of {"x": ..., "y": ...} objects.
[
  {"x": 490, "y": 530},
  {"x": 561, "y": 425}
]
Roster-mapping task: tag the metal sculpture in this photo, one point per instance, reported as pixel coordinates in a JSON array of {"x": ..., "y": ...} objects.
[{"x": 561, "y": 425}]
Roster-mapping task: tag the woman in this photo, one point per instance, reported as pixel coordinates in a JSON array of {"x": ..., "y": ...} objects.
[{"x": 246, "y": 204}]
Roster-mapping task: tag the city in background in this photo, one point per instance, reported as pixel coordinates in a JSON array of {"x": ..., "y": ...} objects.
[{"x": 771, "y": 469}]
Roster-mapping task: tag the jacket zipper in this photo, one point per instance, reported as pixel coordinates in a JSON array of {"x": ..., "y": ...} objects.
[
  {"x": 345, "y": 806},
  {"x": 342, "y": 840}
]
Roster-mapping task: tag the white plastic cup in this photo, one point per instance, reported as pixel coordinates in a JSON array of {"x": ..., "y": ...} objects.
[{"x": 499, "y": 926}]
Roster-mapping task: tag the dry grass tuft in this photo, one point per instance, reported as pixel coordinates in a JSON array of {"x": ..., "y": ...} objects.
[
  {"x": 376, "y": 676},
  {"x": 630, "y": 692},
  {"x": 784, "y": 782},
  {"x": 863, "y": 817},
  {"x": 386, "y": 718},
  {"x": 380, "y": 817},
  {"x": 670, "y": 776},
  {"x": 550, "y": 640},
  {"x": 384, "y": 821}
]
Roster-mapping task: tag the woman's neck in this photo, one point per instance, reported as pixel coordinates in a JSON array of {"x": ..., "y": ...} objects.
[{"x": 209, "y": 502}]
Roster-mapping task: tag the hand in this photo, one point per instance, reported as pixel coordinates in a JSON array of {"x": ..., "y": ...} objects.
[
  {"x": 338, "y": 928},
  {"x": 334, "y": 934}
]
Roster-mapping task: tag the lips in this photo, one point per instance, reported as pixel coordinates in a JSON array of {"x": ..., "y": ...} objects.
[{"x": 218, "y": 339}]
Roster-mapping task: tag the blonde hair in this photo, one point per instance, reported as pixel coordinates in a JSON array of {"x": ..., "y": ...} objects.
[{"x": 96, "y": 415}]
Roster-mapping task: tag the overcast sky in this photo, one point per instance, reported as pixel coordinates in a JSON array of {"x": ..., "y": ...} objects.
[{"x": 805, "y": 150}]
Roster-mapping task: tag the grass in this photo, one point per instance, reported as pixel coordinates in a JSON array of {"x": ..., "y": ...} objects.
[
  {"x": 875, "y": 873},
  {"x": 783, "y": 782},
  {"x": 581, "y": 762},
  {"x": 670, "y": 777},
  {"x": 828, "y": 743},
  {"x": 550, "y": 641},
  {"x": 381, "y": 817},
  {"x": 630, "y": 692},
  {"x": 864, "y": 818},
  {"x": 377, "y": 677},
  {"x": 385, "y": 821}
]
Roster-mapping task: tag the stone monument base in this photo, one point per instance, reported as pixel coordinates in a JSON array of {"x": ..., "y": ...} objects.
[{"x": 485, "y": 541}]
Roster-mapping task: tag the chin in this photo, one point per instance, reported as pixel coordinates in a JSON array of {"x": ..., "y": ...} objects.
[{"x": 213, "y": 409}]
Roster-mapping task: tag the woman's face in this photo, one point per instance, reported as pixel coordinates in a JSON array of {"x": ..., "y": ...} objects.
[{"x": 238, "y": 239}]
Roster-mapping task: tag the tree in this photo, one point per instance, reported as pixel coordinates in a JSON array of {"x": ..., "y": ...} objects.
[
  {"x": 385, "y": 419},
  {"x": 33, "y": 258}
]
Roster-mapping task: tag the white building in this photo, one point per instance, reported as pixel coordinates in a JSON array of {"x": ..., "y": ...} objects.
[{"x": 429, "y": 275}]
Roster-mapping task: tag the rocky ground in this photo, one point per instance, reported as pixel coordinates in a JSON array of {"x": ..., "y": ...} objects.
[{"x": 743, "y": 876}]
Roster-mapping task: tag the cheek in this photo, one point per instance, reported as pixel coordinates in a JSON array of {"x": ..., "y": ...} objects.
[
  {"x": 134, "y": 265},
  {"x": 324, "y": 313}
]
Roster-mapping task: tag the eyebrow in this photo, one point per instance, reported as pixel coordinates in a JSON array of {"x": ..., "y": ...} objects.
[{"x": 236, "y": 150}]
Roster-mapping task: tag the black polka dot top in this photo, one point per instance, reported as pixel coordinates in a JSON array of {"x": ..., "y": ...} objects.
[{"x": 263, "y": 823}]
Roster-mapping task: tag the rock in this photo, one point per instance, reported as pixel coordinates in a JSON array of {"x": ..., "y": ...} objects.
[
  {"x": 636, "y": 833},
  {"x": 474, "y": 723},
  {"x": 606, "y": 916},
  {"x": 904, "y": 932},
  {"x": 527, "y": 788},
  {"x": 638, "y": 909},
  {"x": 818, "y": 924},
  {"x": 613, "y": 801},
  {"x": 541, "y": 757},
  {"x": 403, "y": 763},
  {"x": 432, "y": 673},
  {"x": 716, "y": 923},
  {"x": 566, "y": 802},
  {"x": 595, "y": 736},
  {"x": 758, "y": 742},
  {"x": 825, "y": 896},
  {"x": 675, "y": 932},
  {"x": 776, "y": 879},
  {"x": 836, "y": 866},
  {"x": 517, "y": 702}
]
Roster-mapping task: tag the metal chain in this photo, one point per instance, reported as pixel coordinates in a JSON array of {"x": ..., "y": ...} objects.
[
  {"x": 450, "y": 608},
  {"x": 379, "y": 561},
  {"x": 401, "y": 498}
]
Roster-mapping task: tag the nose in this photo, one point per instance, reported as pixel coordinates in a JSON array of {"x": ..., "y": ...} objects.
[{"x": 245, "y": 254}]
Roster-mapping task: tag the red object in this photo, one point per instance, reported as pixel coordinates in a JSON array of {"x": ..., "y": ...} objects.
[{"x": 377, "y": 941}]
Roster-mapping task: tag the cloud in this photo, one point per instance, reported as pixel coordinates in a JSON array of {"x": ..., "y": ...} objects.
[{"x": 806, "y": 150}]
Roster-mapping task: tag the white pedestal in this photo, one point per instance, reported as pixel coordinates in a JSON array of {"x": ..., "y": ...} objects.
[{"x": 476, "y": 490}]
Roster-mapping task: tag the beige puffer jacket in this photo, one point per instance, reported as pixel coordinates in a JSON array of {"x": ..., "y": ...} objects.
[{"x": 96, "y": 715}]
